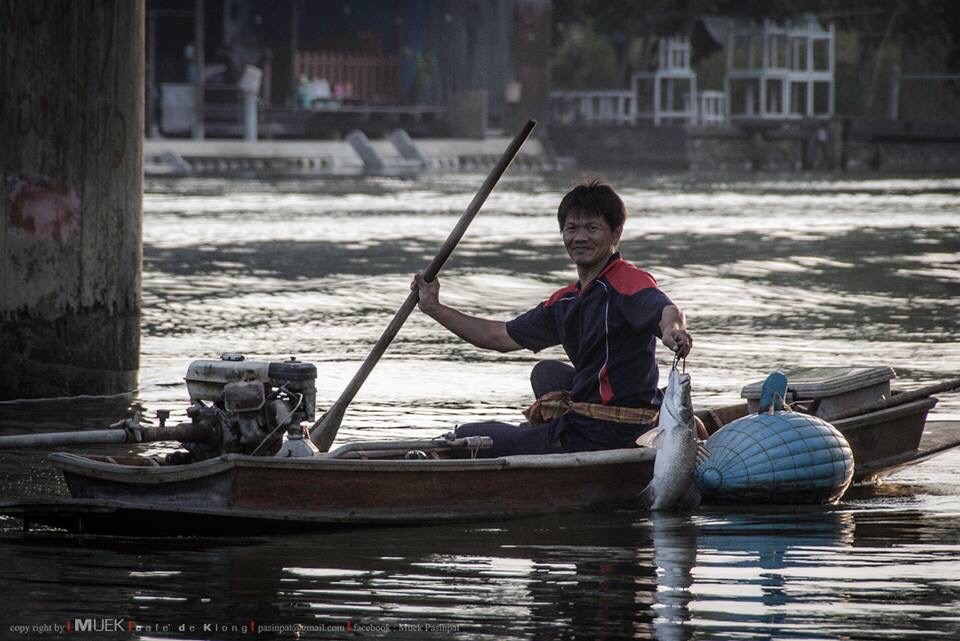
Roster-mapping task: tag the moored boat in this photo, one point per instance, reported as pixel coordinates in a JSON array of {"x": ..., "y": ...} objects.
[{"x": 883, "y": 427}]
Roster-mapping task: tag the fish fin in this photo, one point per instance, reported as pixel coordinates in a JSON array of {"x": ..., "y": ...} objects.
[
  {"x": 690, "y": 500},
  {"x": 651, "y": 438},
  {"x": 702, "y": 453},
  {"x": 648, "y": 497}
]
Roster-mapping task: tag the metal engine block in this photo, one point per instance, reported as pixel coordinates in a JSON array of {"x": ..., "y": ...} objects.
[{"x": 246, "y": 406}]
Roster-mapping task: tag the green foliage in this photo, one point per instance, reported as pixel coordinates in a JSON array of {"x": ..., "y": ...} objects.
[
  {"x": 927, "y": 99},
  {"x": 584, "y": 60},
  {"x": 638, "y": 53}
]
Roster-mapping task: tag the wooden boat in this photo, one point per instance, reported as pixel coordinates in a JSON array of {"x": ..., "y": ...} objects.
[
  {"x": 332, "y": 492},
  {"x": 238, "y": 494},
  {"x": 363, "y": 484}
]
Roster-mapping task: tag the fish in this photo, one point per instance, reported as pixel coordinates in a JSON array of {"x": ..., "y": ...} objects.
[{"x": 679, "y": 451}]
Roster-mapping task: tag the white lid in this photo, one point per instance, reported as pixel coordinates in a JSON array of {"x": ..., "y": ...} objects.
[{"x": 819, "y": 382}]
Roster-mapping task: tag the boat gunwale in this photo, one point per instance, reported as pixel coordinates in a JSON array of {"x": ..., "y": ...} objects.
[
  {"x": 92, "y": 468},
  {"x": 870, "y": 419}
]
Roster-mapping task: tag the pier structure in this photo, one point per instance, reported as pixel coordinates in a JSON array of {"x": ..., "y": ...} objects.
[
  {"x": 396, "y": 155},
  {"x": 71, "y": 122},
  {"x": 324, "y": 69}
]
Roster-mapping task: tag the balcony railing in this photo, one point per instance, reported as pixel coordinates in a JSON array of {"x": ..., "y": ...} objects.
[
  {"x": 368, "y": 79},
  {"x": 568, "y": 107},
  {"x": 621, "y": 107}
]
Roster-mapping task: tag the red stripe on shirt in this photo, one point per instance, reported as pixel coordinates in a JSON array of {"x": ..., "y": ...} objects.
[
  {"x": 560, "y": 293},
  {"x": 627, "y": 278},
  {"x": 606, "y": 390}
]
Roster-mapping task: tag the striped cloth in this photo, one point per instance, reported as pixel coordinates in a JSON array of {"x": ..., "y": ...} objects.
[{"x": 554, "y": 404}]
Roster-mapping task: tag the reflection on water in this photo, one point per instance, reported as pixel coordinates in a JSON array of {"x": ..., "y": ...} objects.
[
  {"x": 819, "y": 574},
  {"x": 772, "y": 274},
  {"x": 675, "y": 547}
]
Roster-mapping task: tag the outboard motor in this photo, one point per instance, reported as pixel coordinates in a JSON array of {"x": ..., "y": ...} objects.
[{"x": 247, "y": 405}]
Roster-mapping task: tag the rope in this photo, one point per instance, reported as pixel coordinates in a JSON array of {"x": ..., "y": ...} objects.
[{"x": 681, "y": 360}]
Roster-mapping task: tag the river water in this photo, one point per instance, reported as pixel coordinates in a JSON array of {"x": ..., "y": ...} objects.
[{"x": 773, "y": 273}]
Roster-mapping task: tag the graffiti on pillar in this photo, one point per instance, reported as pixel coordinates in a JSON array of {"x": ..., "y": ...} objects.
[{"x": 43, "y": 208}]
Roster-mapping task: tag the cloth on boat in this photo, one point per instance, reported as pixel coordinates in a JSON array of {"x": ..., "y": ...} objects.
[{"x": 555, "y": 404}]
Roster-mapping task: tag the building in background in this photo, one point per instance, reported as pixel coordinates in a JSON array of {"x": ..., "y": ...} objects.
[
  {"x": 780, "y": 71},
  {"x": 430, "y": 66},
  {"x": 773, "y": 71}
]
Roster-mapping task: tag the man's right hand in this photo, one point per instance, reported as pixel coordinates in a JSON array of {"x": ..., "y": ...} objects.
[
  {"x": 429, "y": 293},
  {"x": 483, "y": 333},
  {"x": 678, "y": 340}
]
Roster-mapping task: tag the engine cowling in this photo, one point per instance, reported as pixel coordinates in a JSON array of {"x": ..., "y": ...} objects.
[{"x": 248, "y": 404}]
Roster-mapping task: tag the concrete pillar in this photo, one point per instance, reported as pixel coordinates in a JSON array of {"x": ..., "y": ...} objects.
[
  {"x": 71, "y": 192},
  {"x": 250, "y": 88}
]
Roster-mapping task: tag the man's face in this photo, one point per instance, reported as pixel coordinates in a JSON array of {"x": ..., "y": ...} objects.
[{"x": 589, "y": 239}]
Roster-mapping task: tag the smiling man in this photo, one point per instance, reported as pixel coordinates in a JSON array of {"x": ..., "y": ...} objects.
[{"x": 607, "y": 322}]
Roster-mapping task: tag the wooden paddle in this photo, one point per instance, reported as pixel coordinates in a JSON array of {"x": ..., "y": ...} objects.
[{"x": 324, "y": 431}]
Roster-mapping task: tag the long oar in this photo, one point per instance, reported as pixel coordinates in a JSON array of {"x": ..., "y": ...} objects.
[{"x": 324, "y": 431}]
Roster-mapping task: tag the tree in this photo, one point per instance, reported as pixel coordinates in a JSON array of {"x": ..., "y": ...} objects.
[{"x": 584, "y": 60}]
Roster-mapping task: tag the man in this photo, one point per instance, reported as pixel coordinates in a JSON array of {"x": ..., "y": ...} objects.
[{"x": 607, "y": 322}]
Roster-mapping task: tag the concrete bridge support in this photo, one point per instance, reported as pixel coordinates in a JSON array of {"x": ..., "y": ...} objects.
[{"x": 71, "y": 191}]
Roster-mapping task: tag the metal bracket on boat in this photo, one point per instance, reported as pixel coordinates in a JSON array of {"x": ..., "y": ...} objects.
[
  {"x": 476, "y": 443},
  {"x": 132, "y": 427}
]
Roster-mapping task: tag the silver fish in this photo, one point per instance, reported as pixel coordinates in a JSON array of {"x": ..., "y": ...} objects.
[{"x": 674, "y": 485}]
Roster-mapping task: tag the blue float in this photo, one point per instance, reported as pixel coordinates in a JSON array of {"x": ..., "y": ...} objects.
[{"x": 776, "y": 457}]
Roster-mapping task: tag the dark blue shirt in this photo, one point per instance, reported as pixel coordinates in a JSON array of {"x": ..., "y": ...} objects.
[{"x": 609, "y": 331}]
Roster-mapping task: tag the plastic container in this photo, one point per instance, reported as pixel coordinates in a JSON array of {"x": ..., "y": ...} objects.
[{"x": 833, "y": 389}]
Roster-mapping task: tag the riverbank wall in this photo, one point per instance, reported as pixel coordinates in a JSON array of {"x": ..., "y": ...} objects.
[
  {"x": 396, "y": 154},
  {"x": 837, "y": 145}
]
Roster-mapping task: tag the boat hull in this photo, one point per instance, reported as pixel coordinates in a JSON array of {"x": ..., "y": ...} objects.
[
  {"x": 883, "y": 441},
  {"x": 369, "y": 491}
]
